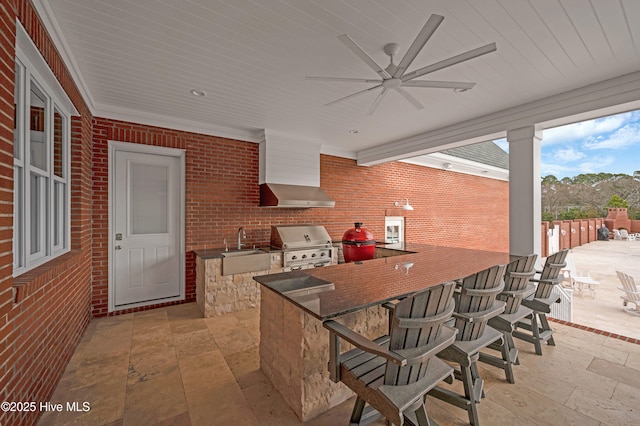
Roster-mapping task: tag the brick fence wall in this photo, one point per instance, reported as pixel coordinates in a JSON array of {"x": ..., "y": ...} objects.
[{"x": 574, "y": 233}]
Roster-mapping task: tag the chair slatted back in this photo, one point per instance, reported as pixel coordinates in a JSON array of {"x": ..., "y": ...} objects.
[
  {"x": 477, "y": 294},
  {"x": 551, "y": 274},
  {"x": 516, "y": 278},
  {"x": 416, "y": 322},
  {"x": 490, "y": 278},
  {"x": 629, "y": 286}
]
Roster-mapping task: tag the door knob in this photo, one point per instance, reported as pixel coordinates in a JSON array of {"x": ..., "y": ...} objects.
[{"x": 118, "y": 247}]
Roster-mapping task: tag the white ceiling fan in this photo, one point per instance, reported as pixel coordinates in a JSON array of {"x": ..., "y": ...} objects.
[{"x": 396, "y": 76}]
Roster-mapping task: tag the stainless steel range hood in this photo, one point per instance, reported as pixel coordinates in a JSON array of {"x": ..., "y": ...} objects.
[
  {"x": 294, "y": 196},
  {"x": 290, "y": 172}
]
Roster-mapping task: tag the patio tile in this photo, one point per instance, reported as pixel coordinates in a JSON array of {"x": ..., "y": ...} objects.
[
  {"x": 607, "y": 411},
  {"x": 617, "y": 372},
  {"x": 169, "y": 366}
]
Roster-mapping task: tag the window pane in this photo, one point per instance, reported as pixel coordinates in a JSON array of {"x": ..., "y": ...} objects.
[
  {"x": 59, "y": 214},
  {"x": 17, "y": 116},
  {"x": 148, "y": 199},
  {"x": 58, "y": 151},
  {"x": 37, "y": 119},
  {"x": 18, "y": 218},
  {"x": 36, "y": 213}
]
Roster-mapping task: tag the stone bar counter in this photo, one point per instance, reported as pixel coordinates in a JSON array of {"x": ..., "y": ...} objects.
[{"x": 294, "y": 346}]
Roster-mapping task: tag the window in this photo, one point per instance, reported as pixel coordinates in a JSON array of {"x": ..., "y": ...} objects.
[{"x": 41, "y": 223}]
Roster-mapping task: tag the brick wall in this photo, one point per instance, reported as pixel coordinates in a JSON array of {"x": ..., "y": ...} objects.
[
  {"x": 222, "y": 194},
  {"x": 44, "y": 312}
]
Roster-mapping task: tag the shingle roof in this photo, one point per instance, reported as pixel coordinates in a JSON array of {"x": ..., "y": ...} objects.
[{"x": 484, "y": 152}]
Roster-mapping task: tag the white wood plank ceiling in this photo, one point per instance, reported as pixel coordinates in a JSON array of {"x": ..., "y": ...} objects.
[{"x": 139, "y": 59}]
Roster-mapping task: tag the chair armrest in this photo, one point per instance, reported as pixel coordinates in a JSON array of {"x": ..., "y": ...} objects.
[
  {"x": 390, "y": 306},
  {"x": 361, "y": 342},
  {"x": 496, "y": 309},
  {"x": 521, "y": 274},
  {"x": 554, "y": 281},
  {"x": 522, "y": 293}
]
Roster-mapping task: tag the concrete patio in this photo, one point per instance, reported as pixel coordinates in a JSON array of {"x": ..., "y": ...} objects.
[{"x": 604, "y": 310}]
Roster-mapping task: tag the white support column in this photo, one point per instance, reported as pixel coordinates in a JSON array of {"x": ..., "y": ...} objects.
[{"x": 524, "y": 191}]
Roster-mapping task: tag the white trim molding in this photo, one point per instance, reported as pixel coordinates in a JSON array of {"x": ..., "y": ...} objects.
[{"x": 459, "y": 165}]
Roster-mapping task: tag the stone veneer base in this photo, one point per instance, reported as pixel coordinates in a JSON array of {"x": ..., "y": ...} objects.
[{"x": 294, "y": 352}]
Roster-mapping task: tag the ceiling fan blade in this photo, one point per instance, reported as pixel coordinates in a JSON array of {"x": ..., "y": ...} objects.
[
  {"x": 353, "y": 94},
  {"x": 423, "y": 36},
  {"x": 379, "y": 99},
  {"x": 491, "y": 47},
  {"x": 461, "y": 85},
  {"x": 363, "y": 55},
  {"x": 409, "y": 97},
  {"x": 346, "y": 80}
]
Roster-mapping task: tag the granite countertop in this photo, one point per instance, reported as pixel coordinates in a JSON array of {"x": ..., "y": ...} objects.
[{"x": 333, "y": 291}]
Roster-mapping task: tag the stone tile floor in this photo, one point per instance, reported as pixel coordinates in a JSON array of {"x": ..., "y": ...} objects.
[{"x": 170, "y": 366}]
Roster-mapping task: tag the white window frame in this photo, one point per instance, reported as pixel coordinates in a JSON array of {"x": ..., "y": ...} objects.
[{"x": 54, "y": 237}]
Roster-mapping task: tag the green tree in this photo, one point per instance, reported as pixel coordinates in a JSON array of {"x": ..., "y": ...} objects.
[{"x": 617, "y": 202}]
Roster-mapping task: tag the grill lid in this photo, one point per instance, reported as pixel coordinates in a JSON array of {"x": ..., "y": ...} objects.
[{"x": 288, "y": 237}]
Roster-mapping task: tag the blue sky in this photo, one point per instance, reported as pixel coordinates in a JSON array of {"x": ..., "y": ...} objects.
[{"x": 609, "y": 144}]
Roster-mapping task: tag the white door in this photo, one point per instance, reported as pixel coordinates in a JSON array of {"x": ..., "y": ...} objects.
[{"x": 146, "y": 228}]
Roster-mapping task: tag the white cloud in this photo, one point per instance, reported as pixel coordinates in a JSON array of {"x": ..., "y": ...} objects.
[
  {"x": 557, "y": 170},
  {"x": 567, "y": 155},
  {"x": 596, "y": 165},
  {"x": 585, "y": 129},
  {"x": 624, "y": 137}
]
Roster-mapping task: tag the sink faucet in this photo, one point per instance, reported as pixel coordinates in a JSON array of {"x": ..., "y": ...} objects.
[{"x": 241, "y": 234}]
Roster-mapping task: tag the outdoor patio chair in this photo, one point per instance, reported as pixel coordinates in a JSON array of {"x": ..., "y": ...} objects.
[
  {"x": 476, "y": 304},
  {"x": 394, "y": 373},
  {"x": 580, "y": 281},
  {"x": 631, "y": 292},
  {"x": 516, "y": 288},
  {"x": 535, "y": 328},
  {"x": 624, "y": 235}
]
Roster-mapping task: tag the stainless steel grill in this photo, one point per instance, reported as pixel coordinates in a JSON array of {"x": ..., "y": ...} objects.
[{"x": 303, "y": 246}]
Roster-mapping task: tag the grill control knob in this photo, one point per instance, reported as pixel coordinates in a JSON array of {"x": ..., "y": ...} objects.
[
  {"x": 313, "y": 255},
  {"x": 304, "y": 256},
  {"x": 294, "y": 257},
  {"x": 322, "y": 254}
]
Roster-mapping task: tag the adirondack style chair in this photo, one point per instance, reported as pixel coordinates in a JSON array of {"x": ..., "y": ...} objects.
[
  {"x": 516, "y": 288},
  {"x": 631, "y": 292},
  {"x": 535, "y": 328},
  {"x": 394, "y": 373},
  {"x": 580, "y": 281},
  {"x": 476, "y": 304}
]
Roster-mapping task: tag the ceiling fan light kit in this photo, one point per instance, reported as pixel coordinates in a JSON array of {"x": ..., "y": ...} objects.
[{"x": 395, "y": 77}]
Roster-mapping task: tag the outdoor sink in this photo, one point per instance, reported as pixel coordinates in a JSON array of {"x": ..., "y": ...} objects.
[
  {"x": 238, "y": 262},
  {"x": 302, "y": 286}
]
